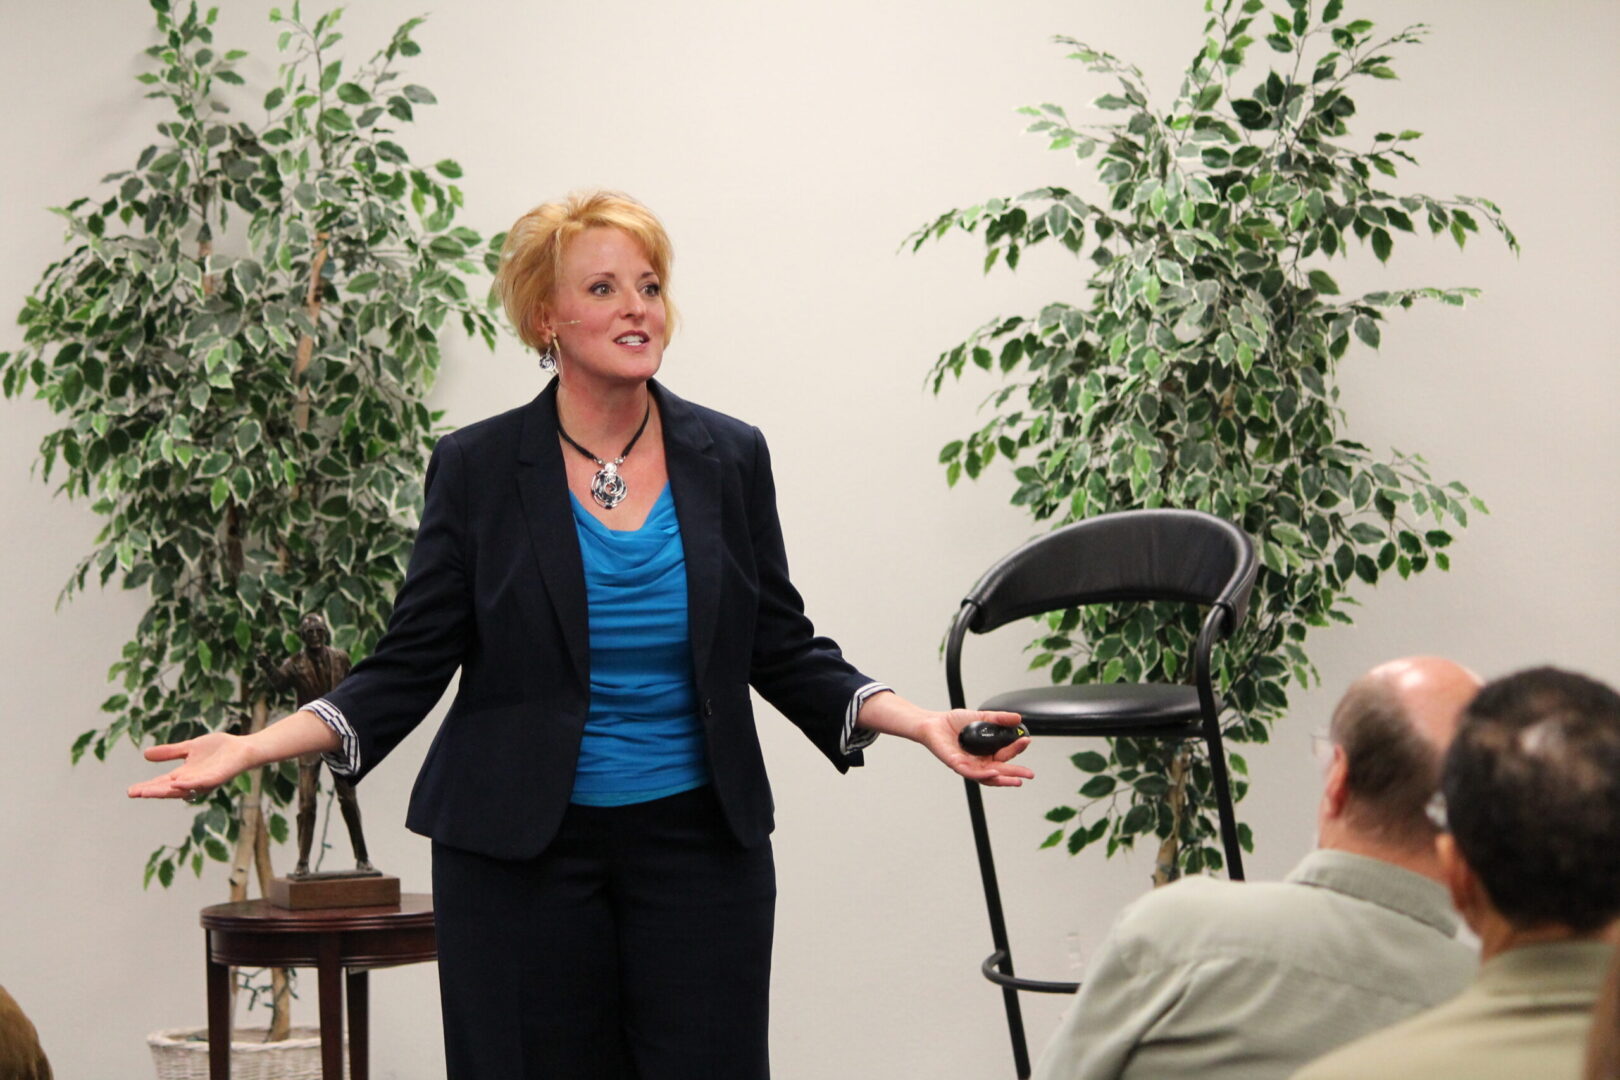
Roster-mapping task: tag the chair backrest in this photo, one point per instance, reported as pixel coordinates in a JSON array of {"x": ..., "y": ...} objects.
[{"x": 1182, "y": 555}]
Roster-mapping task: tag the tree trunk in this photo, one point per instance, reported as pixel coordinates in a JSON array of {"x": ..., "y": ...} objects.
[
  {"x": 280, "y": 984},
  {"x": 254, "y": 840},
  {"x": 1167, "y": 867},
  {"x": 250, "y": 821},
  {"x": 306, "y": 342}
]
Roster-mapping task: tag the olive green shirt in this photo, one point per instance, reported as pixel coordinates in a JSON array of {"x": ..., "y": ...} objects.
[
  {"x": 1250, "y": 980},
  {"x": 1525, "y": 1017}
]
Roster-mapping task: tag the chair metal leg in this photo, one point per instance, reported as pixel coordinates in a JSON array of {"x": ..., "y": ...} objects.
[
  {"x": 998, "y": 929},
  {"x": 1223, "y": 802}
]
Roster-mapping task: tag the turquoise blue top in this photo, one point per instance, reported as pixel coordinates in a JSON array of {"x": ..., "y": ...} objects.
[{"x": 643, "y": 740}]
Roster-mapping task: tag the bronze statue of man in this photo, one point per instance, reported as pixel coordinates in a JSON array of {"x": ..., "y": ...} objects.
[{"x": 311, "y": 674}]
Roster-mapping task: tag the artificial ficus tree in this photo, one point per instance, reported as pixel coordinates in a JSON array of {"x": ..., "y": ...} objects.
[
  {"x": 239, "y": 340},
  {"x": 1195, "y": 368}
]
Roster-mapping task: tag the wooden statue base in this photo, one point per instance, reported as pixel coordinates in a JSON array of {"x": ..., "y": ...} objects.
[{"x": 338, "y": 889}]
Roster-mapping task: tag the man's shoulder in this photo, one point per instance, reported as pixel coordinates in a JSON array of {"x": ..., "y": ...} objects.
[
  {"x": 1289, "y": 923},
  {"x": 1198, "y": 918},
  {"x": 1194, "y": 902},
  {"x": 1440, "y": 1038}
]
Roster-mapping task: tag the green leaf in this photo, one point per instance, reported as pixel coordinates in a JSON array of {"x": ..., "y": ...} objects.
[
  {"x": 1323, "y": 283},
  {"x": 1097, "y": 787},
  {"x": 1139, "y": 819},
  {"x": 1089, "y": 761},
  {"x": 1382, "y": 244},
  {"x": 1061, "y": 813},
  {"x": 1152, "y": 785},
  {"x": 247, "y": 436},
  {"x": 1344, "y": 562},
  {"x": 421, "y": 95},
  {"x": 219, "y": 493},
  {"x": 1367, "y": 331},
  {"x": 353, "y": 94},
  {"x": 1288, "y": 534},
  {"x": 449, "y": 169},
  {"x": 336, "y": 119},
  {"x": 1364, "y": 532}
]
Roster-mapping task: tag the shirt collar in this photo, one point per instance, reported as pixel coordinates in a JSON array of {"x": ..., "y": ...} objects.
[
  {"x": 1572, "y": 969},
  {"x": 1378, "y": 882}
]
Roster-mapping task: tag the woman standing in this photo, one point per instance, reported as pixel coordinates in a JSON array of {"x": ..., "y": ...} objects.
[{"x": 605, "y": 566}]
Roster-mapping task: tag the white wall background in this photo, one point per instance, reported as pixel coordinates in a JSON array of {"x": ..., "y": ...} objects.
[{"x": 789, "y": 148}]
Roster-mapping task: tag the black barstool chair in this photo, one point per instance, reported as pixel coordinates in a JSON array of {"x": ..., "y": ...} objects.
[{"x": 1135, "y": 555}]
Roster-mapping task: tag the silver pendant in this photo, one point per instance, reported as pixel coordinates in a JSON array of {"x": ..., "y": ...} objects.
[{"x": 608, "y": 487}]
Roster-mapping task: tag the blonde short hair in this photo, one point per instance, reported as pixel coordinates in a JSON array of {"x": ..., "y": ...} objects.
[{"x": 531, "y": 257}]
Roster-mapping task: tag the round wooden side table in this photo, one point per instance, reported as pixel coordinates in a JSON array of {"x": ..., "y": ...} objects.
[{"x": 343, "y": 944}]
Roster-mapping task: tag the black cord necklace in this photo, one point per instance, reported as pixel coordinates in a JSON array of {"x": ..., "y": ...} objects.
[{"x": 607, "y": 486}]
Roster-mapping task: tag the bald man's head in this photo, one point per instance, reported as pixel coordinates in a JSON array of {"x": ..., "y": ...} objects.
[{"x": 1394, "y": 724}]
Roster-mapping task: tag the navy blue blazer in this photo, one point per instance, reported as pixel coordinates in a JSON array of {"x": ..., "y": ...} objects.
[{"x": 496, "y": 587}]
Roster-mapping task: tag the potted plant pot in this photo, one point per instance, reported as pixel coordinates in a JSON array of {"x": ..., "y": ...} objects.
[{"x": 182, "y": 1054}]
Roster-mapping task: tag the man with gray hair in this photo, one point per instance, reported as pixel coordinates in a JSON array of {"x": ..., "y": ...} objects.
[
  {"x": 1248, "y": 981},
  {"x": 1530, "y": 798}
]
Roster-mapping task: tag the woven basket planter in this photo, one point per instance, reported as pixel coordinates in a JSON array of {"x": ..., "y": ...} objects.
[{"x": 182, "y": 1054}]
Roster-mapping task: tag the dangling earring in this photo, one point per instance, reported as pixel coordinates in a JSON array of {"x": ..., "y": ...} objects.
[{"x": 553, "y": 354}]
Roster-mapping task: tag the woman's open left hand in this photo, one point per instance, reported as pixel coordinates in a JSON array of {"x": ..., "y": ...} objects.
[{"x": 939, "y": 733}]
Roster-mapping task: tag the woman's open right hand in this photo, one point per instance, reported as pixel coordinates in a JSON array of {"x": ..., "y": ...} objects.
[{"x": 206, "y": 762}]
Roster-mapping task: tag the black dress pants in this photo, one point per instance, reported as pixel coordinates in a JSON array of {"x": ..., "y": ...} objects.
[{"x": 637, "y": 946}]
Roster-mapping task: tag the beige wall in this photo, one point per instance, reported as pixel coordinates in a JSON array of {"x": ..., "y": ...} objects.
[{"x": 789, "y": 148}]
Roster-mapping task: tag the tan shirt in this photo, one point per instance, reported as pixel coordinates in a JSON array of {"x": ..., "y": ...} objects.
[
  {"x": 1525, "y": 1017},
  {"x": 1248, "y": 981}
]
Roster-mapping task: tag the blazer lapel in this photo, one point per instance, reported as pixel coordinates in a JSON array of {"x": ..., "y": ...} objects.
[
  {"x": 694, "y": 477},
  {"x": 543, "y": 487}
]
